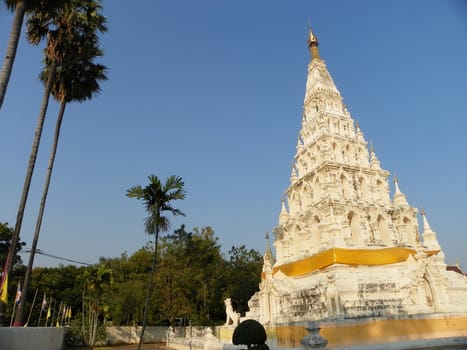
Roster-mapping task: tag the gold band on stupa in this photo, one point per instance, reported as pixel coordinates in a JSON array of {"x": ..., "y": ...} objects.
[{"x": 353, "y": 257}]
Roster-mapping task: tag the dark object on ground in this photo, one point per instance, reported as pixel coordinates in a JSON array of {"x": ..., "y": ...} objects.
[{"x": 250, "y": 332}]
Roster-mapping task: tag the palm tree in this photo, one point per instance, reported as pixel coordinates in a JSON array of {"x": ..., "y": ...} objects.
[
  {"x": 20, "y": 7},
  {"x": 47, "y": 12},
  {"x": 76, "y": 78},
  {"x": 156, "y": 198},
  {"x": 4, "y": 77}
]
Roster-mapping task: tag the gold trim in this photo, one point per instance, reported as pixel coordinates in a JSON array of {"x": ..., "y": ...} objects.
[{"x": 369, "y": 257}]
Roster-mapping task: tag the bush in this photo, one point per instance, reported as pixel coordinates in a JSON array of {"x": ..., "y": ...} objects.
[{"x": 250, "y": 332}]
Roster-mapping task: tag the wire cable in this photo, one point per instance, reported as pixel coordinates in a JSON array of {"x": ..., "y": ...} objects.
[{"x": 38, "y": 251}]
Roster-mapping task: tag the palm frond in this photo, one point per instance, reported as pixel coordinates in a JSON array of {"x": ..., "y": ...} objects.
[
  {"x": 135, "y": 192},
  {"x": 71, "y": 30},
  {"x": 175, "y": 212},
  {"x": 156, "y": 199}
]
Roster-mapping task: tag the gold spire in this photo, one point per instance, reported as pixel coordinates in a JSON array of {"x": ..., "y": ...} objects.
[{"x": 313, "y": 45}]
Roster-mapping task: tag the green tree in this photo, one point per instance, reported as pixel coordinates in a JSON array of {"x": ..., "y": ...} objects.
[
  {"x": 94, "y": 279},
  {"x": 209, "y": 263},
  {"x": 72, "y": 46},
  {"x": 174, "y": 297},
  {"x": 6, "y": 233},
  {"x": 176, "y": 291},
  {"x": 61, "y": 286},
  {"x": 126, "y": 299},
  {"x": 243, "y": 276},
  {"x": 47, "y": 10},
  {"x": 83, "y": 290},
  {"x": 188, "y": 276},
  {"x": 20, "y": 8},
  {"x": 157, "y": 198}
]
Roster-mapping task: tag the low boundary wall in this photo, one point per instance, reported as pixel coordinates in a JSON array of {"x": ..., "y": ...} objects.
[
  {"x": 130, "y": 335},
  {"x": 24, "y": 338}
]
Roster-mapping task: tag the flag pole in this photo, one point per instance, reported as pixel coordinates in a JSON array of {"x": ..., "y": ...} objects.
[
  {"x": 63, "y": 315},
  {"x": 58, "y": 315},
  {"x": 40, "y": 316},
  {"x": 69, "y": 314},
  {"x": 15, "y": 302},
  {"x": 53, "y": 315},
  {"x": 32, "y": 307},
  {"x": 43, "y": 307},
  {"x": 13, "y": 314},
  {"x": 48, "y": 311}
]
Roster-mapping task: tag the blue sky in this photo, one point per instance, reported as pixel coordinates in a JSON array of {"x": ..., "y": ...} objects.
[{"x": 212, "y": 91}]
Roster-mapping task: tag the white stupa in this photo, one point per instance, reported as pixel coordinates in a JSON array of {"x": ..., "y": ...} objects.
[{"x": 344, "y": 247}]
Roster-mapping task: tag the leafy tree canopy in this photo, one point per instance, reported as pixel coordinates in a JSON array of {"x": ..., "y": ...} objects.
[
  {"x": 192, "y": 280},
  {"x": 6, "y": 234}
]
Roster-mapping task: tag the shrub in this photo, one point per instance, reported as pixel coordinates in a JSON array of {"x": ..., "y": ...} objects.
[{"x": 250, "y": 332}]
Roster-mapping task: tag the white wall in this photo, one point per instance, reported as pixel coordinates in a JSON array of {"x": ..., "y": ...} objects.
[
  {"x": 130, "y": 335},
  {"x": 25, "y": 338}
]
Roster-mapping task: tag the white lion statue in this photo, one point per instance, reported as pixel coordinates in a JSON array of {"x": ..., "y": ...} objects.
[{"x": 233, "y": 317}]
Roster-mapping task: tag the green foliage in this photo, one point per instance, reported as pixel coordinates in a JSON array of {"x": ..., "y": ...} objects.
[
  {"x": 61, "y": 282},
  {"x": 96, "y": 280},
  {"x": 191, "y": 281},
  {"x": 72, "y": 33},
  {"x": 71, "y": 30},
  {"x": 243, "y": 274},
  {"x": 6, "y": 234},
  {"x": 125, "y": 299},
  {"x": 156, "y": 198},
  {"x": 73, "y": 336},
  {"x": 61, "y": 285},
  {"x": 83, "y": 289},
  {"x": 188, "y": 278}
]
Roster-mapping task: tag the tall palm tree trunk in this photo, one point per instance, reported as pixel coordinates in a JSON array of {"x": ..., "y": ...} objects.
[
  {"x": 30, "y": 171},
  {"x": 19, "y": 317},
  {"x": 150, "y": 288},
  {"x": 12, "y": 46},
  {"x": 31, "y": 165}
]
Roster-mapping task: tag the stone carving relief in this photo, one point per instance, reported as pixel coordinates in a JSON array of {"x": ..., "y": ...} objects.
[{"x": 332, "y": 298}]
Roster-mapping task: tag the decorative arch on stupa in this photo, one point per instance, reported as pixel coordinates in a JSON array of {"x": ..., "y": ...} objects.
[
  {"x": 355, "y": 226},
  {"x": 381, "y": 190},
  {"x": 383, "y": 230},
  {"x": 346, "y": 185},
  {"x": 315, "y": 234}
]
